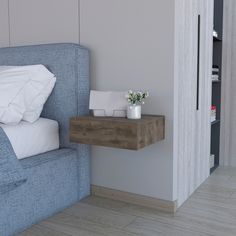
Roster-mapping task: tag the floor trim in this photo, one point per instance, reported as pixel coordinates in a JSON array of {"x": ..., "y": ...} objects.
[{"x": 162, "y": 205}]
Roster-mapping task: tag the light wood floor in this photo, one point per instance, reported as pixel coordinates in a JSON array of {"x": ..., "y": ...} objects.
[{"x": 210, "y": 211}]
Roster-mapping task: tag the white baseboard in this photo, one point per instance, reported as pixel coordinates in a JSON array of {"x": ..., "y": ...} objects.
[{"x": 162, "y": 205}]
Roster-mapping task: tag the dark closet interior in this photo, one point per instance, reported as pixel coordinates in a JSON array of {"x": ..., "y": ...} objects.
[{"x": 216, "y": 81}]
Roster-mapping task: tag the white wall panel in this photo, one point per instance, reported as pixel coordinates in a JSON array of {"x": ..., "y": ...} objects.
[
  {"x": 44, "y": 21},
  {"x": 192, "y": 127},
  {"x": 203, "y": 128},
  {"x": 4, "y": 24}
]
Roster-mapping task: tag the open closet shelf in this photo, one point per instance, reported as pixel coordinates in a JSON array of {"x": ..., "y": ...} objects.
[{"x": 216, "y": 84}]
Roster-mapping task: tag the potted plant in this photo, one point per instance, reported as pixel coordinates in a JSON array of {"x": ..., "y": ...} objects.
[{"x": 135, "y": 100}]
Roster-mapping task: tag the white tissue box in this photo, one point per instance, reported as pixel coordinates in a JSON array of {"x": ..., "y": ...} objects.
[{"x": 108, "y": 103}]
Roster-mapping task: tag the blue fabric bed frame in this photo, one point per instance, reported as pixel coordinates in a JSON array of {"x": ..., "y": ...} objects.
[{"x": 59, "y": 178}]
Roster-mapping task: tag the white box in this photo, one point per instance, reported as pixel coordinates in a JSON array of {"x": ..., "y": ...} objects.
[
  {"x": 217, "y": 70},
  {"x": 108, "y": 103},
  {"x": 215, "y": 34},
  {"x": 213, "y": 118},
  {"x": 212, "y": 161},
  {"x": 215, "y": 77}
]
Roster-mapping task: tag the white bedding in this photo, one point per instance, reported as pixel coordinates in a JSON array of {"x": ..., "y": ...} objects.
[
  {"x": 31, "y": 139},
  {"x": 23, "y": 92}
]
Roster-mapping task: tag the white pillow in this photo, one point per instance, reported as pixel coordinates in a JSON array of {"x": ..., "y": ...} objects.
[{"x": 23, "y": 92}]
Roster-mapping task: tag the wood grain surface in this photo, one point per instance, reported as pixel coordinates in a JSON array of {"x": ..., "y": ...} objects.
[
  {"x": 117, "y": 132},
  {"x": 211, "y": 211}
]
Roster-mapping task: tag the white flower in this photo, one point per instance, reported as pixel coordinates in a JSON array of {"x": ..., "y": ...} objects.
[{"x": 136, "y": 97}]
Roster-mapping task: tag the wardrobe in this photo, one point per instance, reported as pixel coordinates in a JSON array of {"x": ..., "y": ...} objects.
[{"x": 194, "y": 47}]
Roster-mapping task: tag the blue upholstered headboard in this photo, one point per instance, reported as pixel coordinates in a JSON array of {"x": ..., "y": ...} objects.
[{"x": 70, "y": 64}]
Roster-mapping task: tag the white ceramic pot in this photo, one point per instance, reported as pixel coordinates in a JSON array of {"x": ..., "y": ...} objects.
[{"x": 134, "y": 112}]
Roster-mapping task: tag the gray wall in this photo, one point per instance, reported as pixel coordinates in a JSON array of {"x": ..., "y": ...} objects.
[
  {"x": 35, "y": 22},
  {"x": 4, "y": 23},
  {"x": 228, "y": 129},
  {"x": 132, "y": 47}
]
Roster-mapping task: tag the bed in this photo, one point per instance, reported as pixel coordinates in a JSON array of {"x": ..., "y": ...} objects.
[{"x": 58, "y": 178}]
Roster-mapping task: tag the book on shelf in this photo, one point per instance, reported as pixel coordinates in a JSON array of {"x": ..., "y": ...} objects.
[
  {"x": 215, "y": 78},
  {"x": 213, "y": 113},
  {"x": 215, "y": 70},
  {"x": 215, "y": 73}
]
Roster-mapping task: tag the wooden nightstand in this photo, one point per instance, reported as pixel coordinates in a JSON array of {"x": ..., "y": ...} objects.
[{"x": 118, "y": 132}]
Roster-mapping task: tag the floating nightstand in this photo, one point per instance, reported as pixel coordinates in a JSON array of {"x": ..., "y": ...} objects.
[{"x": 118, "y": 132}]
